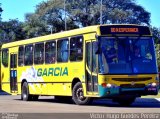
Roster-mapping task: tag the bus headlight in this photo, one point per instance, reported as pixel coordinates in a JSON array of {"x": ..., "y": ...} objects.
[
  {"x": 153, "y": 84},
  {"x": 109, "y": 85}
]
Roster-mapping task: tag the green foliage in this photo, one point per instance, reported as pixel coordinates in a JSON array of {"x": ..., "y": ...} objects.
[
  {"x": 158, "y": 55},
  {"x": 126, "y": 11},
  {"x": 81, "y": 13},
  {"x": 87, "y": 12},
  {"x": 48, "y": 15},
  {"x": 34, "y": 26},
  {"x": 156, "y": 34},
  {"x": 11, "y": 31}
]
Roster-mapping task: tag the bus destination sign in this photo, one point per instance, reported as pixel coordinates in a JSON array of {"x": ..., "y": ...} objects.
[{"x": 124, "y": 29}]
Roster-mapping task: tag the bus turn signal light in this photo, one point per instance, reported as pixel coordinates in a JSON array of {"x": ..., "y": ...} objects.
[{"x": 104, "y": 85}]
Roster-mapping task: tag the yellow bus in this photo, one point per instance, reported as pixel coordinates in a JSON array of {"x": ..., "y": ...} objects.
[{"x": 102, "y": 61}]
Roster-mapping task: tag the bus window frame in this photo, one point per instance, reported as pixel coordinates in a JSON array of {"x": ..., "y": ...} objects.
[
  {"x": 32, "y": 54},
  {"x": 82, "y": 48},
  {"x": 58, "y": 40},
  {"x": 22, "y": 56},
  {"x": 7, "y": 57},
  {"x": 43, "y": 53},
  {"x": 55, "y": 51}
]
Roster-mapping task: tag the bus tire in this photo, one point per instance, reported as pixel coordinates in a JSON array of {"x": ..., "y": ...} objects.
[
  {"x": 25, "y": 92},
  {"x": 78, "y": 97},
  {"x": 126, "y": 101}
]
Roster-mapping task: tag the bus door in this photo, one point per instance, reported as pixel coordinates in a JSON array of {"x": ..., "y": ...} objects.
[
  {"x": 13, "y": 72},
  {"x": 91, "y": 67}
]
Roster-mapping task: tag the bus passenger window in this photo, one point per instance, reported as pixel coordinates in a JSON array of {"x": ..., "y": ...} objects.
[
  {"x": 39, "y": 53},
  {"x": 62, "y": 55},
  {"x": 5, "y": 57},
  {"x": 28, "y": 59},
  {"x": 76, "y": 48},
  {"x": 20, "y": 56},
  {"x": 50, "y": 52}
]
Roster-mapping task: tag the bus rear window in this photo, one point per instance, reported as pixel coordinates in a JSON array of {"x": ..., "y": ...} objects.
[{"x": 5, "y": 57}]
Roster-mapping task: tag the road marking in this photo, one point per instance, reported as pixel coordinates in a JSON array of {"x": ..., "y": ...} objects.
[{"x": 158, "y": 99}]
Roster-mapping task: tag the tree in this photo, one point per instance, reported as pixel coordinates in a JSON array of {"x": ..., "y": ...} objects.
[
  {"x": 48, "y": 17},
  {"x": 126, "y": 11},
  {"x": 87, "y": 12},
  {"x": 1, "y": 10},
  {"x": 11, "y": 31},
  {"x": 34, "y": 26},
  {"x": 81, "y": 13},
  {"x": 156, "y": 34}
]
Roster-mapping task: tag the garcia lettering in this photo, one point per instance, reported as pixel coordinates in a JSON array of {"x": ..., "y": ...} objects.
[{"x": 57, "y": 71}]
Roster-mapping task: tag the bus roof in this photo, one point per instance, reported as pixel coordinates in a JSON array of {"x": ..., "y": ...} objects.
[{"x": 64, "y": 34}]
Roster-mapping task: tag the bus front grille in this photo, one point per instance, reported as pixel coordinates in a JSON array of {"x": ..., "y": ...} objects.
[{"x": 131, "y": 79}]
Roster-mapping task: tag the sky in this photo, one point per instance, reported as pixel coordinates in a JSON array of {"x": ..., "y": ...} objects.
[
  {"x": 152, "y": 6},
  {"x": 18, "y": 8},
  {"x": 13, "y": 9}
]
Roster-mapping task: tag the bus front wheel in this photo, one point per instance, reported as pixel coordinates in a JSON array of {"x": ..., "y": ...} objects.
[
  {"x": 25, "y": 92},
  {"x": 78, "y": 96}
]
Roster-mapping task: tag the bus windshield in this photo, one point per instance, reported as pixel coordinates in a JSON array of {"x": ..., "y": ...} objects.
[{"x": 126, "y": 55}]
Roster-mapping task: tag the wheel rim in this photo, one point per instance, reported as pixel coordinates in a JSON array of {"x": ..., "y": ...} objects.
[{"x": 80, "y": 95}]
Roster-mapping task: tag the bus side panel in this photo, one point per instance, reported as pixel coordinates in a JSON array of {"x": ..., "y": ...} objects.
[
  {"x": 5, "y": 72},
  {"x": 53, "y": 79},
  {"x": 59, "y": 89},
  {"x": 5, "y": 79}
]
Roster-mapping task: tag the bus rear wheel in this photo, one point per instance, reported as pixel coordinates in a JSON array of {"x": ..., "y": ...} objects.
[
  {"x": 25, "y": 92},
  {"x": 78, "y": 95}
]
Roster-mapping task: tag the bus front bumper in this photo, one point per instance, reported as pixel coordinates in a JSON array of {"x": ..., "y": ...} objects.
[{"x": 135, "y": 91}]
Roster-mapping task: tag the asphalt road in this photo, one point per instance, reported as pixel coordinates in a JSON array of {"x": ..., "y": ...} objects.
[{"x": 13, "y": 104}]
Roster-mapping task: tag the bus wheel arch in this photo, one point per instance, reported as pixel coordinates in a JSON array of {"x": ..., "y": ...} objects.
[
  {"x": 75, "y": 80},
  {"x": 78, "y": 95},
  {"x": 24, "y": 80}
]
